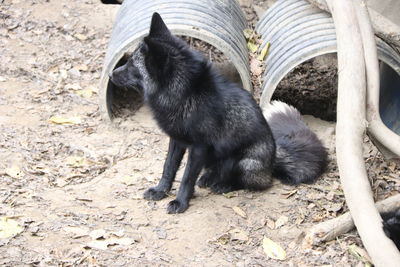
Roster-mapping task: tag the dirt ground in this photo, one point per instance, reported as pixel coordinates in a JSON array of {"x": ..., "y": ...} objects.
[{"x": 74, "y": 183}]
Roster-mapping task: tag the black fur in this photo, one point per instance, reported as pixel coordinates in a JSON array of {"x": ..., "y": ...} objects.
[
  {"x": 391, "y": 226},
  {"x": 219, "y": 123},
  {"x": 300, "y": 155},
  {"x": 112, "y": 2}
]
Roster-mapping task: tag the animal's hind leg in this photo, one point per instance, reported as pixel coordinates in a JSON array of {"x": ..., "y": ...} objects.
[
  {"x": 208, "y": 178},
  {"x": 227, "y": 177},
  {"x": 256, "y": 174},
  {"x": 256, "y": 166}
]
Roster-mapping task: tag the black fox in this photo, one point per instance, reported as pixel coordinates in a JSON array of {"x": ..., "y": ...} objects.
[
  {"x": 112, "y": 2},
  {"x": 391, "y": 226},
  {"x": 219, "y": 123}
]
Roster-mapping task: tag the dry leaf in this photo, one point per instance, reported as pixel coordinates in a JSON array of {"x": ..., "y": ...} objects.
[
  {"x": 335, "y": 207},
  {"x": 392, "y": 166},
  {"x": 80, "y": 37},
  {"x": 292, "y": 245},
  {"x": 39, "y": 169},
  {"x": 60, "y": 182},
  {"x": 282, "y": 220},
  {"x": 128, "y": 180},
  {"x": 223, "y": 239},
  {"x": 122, "y": 241},
  {"x": 63, "y": 74},
  {"x": 248, "y": 33},
  {"x": 273, "y": 250},
  {"x": 360, "y": 254},
  {"x": 98, "y": 233},
  {"x": 76, "y": 231},
  {"x": 85, "y": 199},
  {"x": 120, "y": 233},
  {"x": 76, "y": 161},
  {"x": 311, "y": 206},
  {"x": 256, "y": 67},
  {"x": 85, "y": 93},
  {"x": 92, "y": 88},
  {"x": 315, "y": 195},
  {"x": 270, "y": 223},
  {"x": 239, "y": 212},
  {"x": 104, "y": 244},
  {"x": 61, "y": 120},
  {"x": 132, "y": 178},
  {"x": 300, "y": 219},
  {"x": 72, "y": 86},
  {"x": 230, "y": 194},
  {"x": 291, "y": 193},
  {"x": 308, "y": 241},
  {"x": 53, "y": 69},
  {"x": 252, "y": 46},
  {"x": 82, "y": 67},
  {"x": 330, "y": 196},
  {"x": 14, "y": 171},
  {"x": 9, "y": 227},
  {"x": 319, "y": 217},
  {"x": 264, "y": 52},
  {"x": 98, "y": 244},
  {"x": 237, "y": 234}
]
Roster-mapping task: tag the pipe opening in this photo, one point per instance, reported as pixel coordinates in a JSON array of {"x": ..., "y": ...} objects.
[
  {"x": 122, "y": 102},
  {"x": 311, "y": 87},
  {"x": 389, "y": 99}
]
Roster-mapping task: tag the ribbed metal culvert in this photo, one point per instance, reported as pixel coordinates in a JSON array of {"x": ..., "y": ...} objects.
[
  {"x": 297, "y": 32},
  {"x": 219, "y": 23}
]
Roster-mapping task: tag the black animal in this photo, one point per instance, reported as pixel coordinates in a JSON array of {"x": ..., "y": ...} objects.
[
  {"x": 391, "y": 226},
  {"x": 112, "y": 2},
  {"x": 219, "y": 123}
]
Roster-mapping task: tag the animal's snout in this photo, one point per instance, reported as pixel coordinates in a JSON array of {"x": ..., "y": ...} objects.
[
  {"x": 115, "y": 74},
  {"x": 119, "y": 77},
  {"x": 111, "y": 76}
]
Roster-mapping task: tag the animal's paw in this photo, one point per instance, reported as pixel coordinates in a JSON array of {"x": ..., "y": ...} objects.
[
  {"x": 221, "y": 188},
  {"x": 205, "y": 180},
  {"x": 154, "y": 194},
  {"x": 177, "y": 206}
]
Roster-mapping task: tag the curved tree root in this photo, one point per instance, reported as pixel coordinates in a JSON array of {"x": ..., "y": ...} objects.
[{"x": 350, "y": 129}]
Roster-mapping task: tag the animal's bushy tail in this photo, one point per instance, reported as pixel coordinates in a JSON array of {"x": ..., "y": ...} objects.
[{"x": 300, "y": 155}]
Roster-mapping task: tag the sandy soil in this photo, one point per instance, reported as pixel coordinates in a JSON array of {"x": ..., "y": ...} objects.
[{"x": 76, "y": 189}]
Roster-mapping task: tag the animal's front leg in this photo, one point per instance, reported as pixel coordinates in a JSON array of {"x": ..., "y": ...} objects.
[
  {"x": 193, "y": 168},
  {"x": 171, "y": 165}
]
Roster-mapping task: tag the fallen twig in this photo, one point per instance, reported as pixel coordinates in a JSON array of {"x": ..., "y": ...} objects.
[{"x": 329, "y": 230}]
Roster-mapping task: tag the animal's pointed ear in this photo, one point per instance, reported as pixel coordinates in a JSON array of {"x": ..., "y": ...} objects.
[
  {"x": 157, "y": 26},
  {"x": 154, "y": 47},
  {"x": 158, "y": 57}
]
